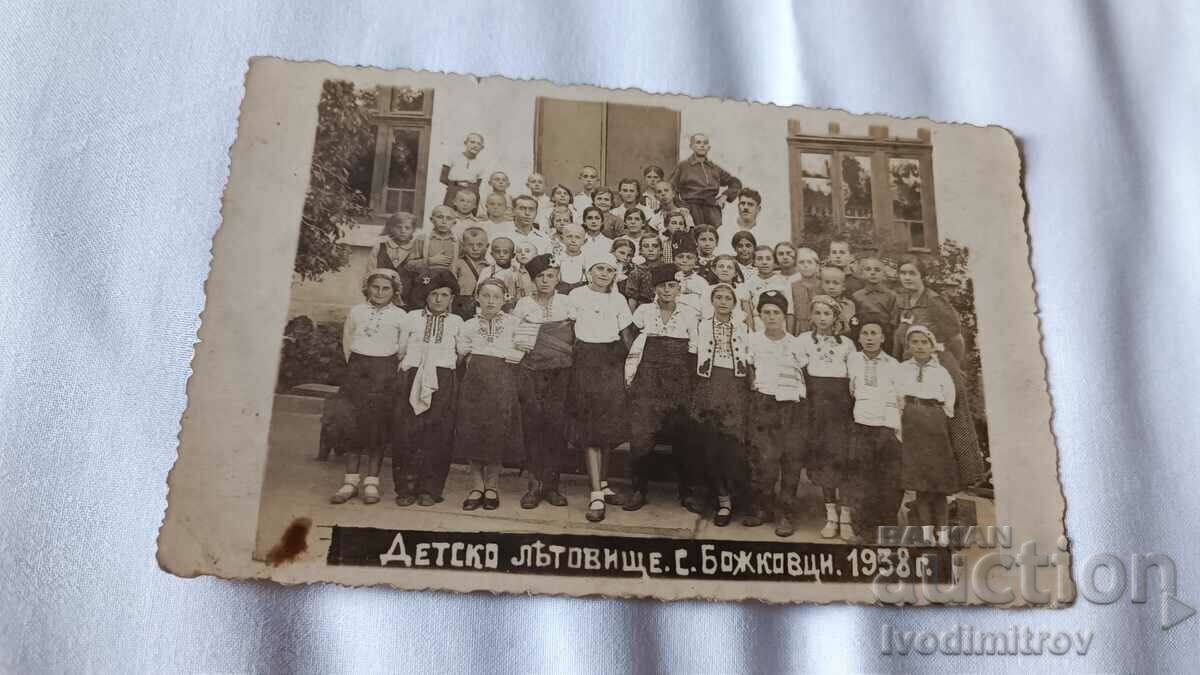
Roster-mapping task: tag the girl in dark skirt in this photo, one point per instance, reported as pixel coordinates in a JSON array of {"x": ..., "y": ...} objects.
[
  {"x": 370, "y": 342},
  {"x": 778, "y": 415},
  {"x": 720, "y": 401},
  {"x": 830, "y": 409},
  {"x": 597, "y": 405},
  {"x": 488, "y": 428},
  {"x": 927, "y": 461},
  {"x": 873, "y": 459},
  {"x": 425, "y": 408}
]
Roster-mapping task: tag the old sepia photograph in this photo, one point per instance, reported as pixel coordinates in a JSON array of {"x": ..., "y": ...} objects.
[{"x": 497, "y": 335}]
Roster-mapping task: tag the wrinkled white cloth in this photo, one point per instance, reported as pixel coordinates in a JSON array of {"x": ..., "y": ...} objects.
[{"x": 115, "y": 125}]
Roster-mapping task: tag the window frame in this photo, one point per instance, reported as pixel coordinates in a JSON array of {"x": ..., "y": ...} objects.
[
  {"x": 387, "y": 122},
  {"x": 879, "y": 149}
]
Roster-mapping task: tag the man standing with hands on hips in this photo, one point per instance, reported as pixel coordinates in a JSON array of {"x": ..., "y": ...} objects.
[{"x": 701, "y": 184}]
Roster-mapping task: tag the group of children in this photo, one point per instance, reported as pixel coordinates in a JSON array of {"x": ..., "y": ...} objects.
[{"x": 511, "y": 339}]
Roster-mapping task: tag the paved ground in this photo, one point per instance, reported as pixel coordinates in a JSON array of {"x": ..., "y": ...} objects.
[{"x": 297, "y": 485}]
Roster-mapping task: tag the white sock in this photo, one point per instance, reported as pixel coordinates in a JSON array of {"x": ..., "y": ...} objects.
[
  {"x": 724, "y": 502},
  {"x": 371, "y": 480},
  {"x": 597, "y": 495},
  {"x": 845, "y": 514},
  {"x": 831, "y": 513},
  {"x": 605, "y": 489},
  {"x": 353, "y": 478}
]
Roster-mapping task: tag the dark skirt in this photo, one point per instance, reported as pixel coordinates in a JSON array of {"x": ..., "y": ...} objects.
[
  {"x": 831, "y": 412},
  {"x": 719, "y": 402},
  {"x": 488, "y": 428},
  {"x": 927, "y": 462},
  {"x": 369, "y": 388},
  {"x": 433, "y": 430},
  {"x": 872, "y": 457},
  {"x": 597, "y": 407},
  {"x": 662, "y": 384}
]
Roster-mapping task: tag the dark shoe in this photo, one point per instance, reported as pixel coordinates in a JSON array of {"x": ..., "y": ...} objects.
[
  {"x": 783, "y": 526},
  {"x": 473, "y": 501},
  {"x": 635, "y": 501},
  {"x": 754, "y": 519},
  {"x": 723, "y": 516},
  {"x": 611, "y": 497},
  {"x": 426, "y": 499},
  {"x": 694, "y": 504},
  {"x": 595, "y": 512},
  {"x": 554, "y": 498},
  {"x": 491, "y": 500},
  {"x": 407, "y": 499},
  {"x": 531, "y": 499}
]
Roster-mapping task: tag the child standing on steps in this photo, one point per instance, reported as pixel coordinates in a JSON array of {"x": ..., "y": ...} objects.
[
  {"x": 424, "y": 426},
  {"x": 720, "y": 400},
  {"x": 597, "y": 403},
  {"x": 488, "y": 427},
  {"x": 830, "y": 409},
  {"x": 927, "y": 461},
  {"x": 778, "y": 416},
  {"x": 873, "y": 461},
  {"x": 371, "y": 341}
]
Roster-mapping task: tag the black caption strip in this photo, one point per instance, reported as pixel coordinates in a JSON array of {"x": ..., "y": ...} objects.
[{"x": 634, "y": 557}]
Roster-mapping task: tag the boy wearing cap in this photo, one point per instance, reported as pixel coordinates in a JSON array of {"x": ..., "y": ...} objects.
[
  {"x": 546, "y": 335},
  {"x": 425, "y": 409},
  {"x": 693, "y": 289},
  {"x": 370, "y": 341},
  {"x": 778, "y": 415},
  {"x": 658, "y": 372}
]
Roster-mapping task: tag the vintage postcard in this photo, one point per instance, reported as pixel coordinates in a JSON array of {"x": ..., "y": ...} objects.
[{"x": 495, "y": 335}]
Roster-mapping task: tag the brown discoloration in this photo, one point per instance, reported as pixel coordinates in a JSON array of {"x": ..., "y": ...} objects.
[{"x": 293, "y": 542}]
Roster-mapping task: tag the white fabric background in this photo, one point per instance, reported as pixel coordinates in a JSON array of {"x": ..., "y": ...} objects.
[{"x": 115, "y": 122}]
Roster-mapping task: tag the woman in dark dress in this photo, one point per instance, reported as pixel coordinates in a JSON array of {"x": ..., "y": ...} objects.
[{"x": 918, "y": 305}]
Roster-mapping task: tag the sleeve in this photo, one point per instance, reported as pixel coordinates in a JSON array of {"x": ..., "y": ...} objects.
[
  {"x": 348, "y": 334},
  {"x": 675, "y": 177},
  {"x": 624, "y": 316},
  {"x": 639, "y": 317},
  {"x": 405, "y": 335},
  {"x": 801, "y": 353},
  {"x": 950, "y": 393},
  {"x": 462, "y": 343},
  {"x": 693, "y": 334},
  {"x": 731, "y": 184}
]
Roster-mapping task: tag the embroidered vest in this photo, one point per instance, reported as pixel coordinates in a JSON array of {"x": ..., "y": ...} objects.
[{"x": 707, "y": 346}]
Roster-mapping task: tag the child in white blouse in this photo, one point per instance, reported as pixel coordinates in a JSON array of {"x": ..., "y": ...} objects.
[
  {"x": 371, "y": 341},
  {"x": 927, "y": 462},
  {"x": 488, "y": 425},
  {"x": 464, "y": 172},
  {"x": 831, "y": 409},
  {"x": 778, "y": 414},
  {"x": 598, "y": 400}
]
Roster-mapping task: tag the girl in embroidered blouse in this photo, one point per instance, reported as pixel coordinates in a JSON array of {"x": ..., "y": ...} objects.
[
  {"x": 370, "y": 342},
  {"x": 831, "y": 409},
  {"x": 597, "y": 405},
  {"x": 719, "y": 402},
  {"x": 927, "y": 461},
  {"x": 488, "y": 427}
]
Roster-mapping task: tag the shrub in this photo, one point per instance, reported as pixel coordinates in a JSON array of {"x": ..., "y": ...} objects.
[{"x": 311, "y": 354}]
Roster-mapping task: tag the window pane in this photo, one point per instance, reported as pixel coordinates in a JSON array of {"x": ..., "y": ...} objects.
[
  {"x": 856, "y": 186},
  {"x": 402, "y": 169},
  {"x": 916, "y": 231},
  {"x": 407, "y": 99},
  {"x": 362, "y": 162},
  {"x": 906, "y": 188},
  {"x": 818, "y": 186}
]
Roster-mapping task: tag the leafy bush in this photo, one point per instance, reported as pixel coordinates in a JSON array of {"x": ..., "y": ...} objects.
[{"x": 311, "y": 354}]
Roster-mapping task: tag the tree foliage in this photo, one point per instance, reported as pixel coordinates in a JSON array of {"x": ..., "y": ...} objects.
[{"x": 332, "y": 204}]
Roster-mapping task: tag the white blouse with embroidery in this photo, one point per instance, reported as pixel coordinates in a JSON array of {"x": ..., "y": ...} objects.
[
  {"x": 930, "y": 381},
  {"x": 373, "y": 331},
  {"x": 827, "y": 354},
  {"x": 436, "y": 334},
  {"x": 490, "y": 337},
  {"x": 599, "y": 317},
  {"x": 873, "y": 385}
]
